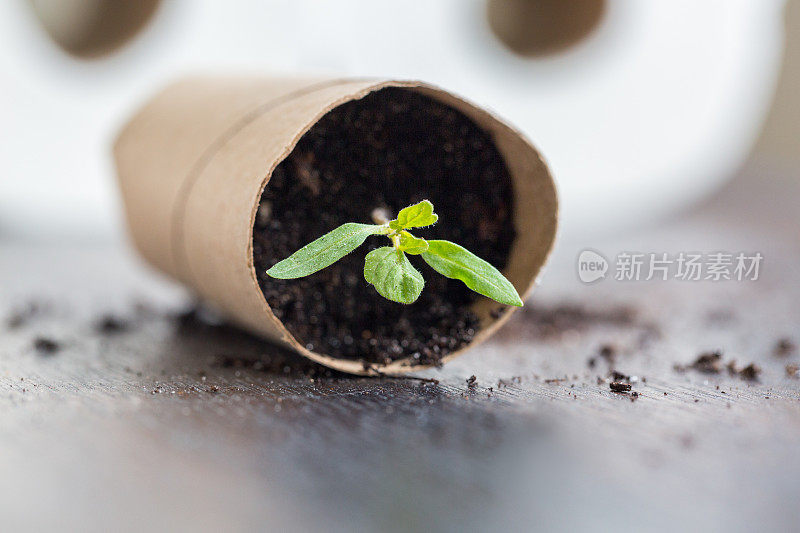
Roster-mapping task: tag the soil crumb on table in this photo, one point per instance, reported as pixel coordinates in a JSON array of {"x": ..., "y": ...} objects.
[
  {"x": 706, "y": 363},
  {"x": 750, "y": 372},
  {"x": 619, "y": 376},
  {"x": 46, "y": 346},
  {"x": 712, "y": 363},
  {"x": 619, "y": 386},
  {"x": 22, "y": 315},
  {"x": 784, "y": 348},
  {"x": 110, "y": 325},
  {"x": 388, "y": 150}
]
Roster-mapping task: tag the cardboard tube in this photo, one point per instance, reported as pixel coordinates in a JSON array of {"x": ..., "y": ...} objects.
[{"x": 193, "y": 162}]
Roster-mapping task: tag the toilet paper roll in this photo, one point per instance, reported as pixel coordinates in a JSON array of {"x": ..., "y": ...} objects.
[{"x": 194, "y": 161}]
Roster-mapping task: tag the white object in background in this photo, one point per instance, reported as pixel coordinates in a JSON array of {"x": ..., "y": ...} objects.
[{"x": 651, "y": 111}]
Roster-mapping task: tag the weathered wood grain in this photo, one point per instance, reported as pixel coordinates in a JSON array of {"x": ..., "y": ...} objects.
[{"x": 181, "y": 424}]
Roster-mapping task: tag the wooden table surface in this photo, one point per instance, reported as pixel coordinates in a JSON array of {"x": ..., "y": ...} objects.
[{"x": 172, "y": 422}]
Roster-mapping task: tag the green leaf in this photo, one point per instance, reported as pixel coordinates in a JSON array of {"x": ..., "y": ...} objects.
[
  {"x": 456, "y": 262},
  {"x": 415, "y": 216},
  {"x": 412, "y": 245},
  {"x": 324, "y": 251},
  {"x": 393, "y": 275}
]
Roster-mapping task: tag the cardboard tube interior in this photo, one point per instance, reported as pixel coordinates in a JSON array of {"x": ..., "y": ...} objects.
[{"x": 193, "y": 162}]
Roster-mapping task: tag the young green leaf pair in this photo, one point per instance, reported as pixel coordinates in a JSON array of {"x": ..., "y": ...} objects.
[{"x": 388, "y": 268}]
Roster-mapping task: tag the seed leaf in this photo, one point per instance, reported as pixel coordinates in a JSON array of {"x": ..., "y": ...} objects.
[
  {"x": 415, "y": 216},
  {"x": 324, "y": 251},
  {"x": 456, "y": 262},
  {"x": 393, "y": 275},
  {"x": 412, "y": 245}
]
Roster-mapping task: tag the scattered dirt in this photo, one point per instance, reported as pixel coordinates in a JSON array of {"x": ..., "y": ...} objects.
[
  {"x": 750, "y": 372},
  {"x": 706, "y": 362},
  {"x": 110, "y": 325},
  {"x": 619, "y": 376},
  {"x": 513, "y": 380},
  {"x": 472, "y": 382},
  {"x": 46, "y": 346},
  {"x": 15, "y": 320},
  {"x": 608, "y": 352},
  {"x": 620, "y": 383},
  {"x": 711, "y": 363},
  {"x": 619, "y": 386},
  {"x": 387, "y": 150},
  {"x": 21, "y": 316},
  {"x": 792, "y": 370},
  {"x": 784, "y": 348}
]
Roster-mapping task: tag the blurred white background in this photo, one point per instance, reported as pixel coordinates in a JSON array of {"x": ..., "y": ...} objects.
[{"x": 651, "y": 109}]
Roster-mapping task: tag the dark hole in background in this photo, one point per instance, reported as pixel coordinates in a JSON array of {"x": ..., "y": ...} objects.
[
  {"x": 93, "y": 28},
  {"x": 533, "y": 28}
]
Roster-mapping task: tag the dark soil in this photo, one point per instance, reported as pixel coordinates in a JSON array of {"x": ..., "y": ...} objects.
[
  {"x": 618, "y": 386},
  {"x": 387, "y": 150}
]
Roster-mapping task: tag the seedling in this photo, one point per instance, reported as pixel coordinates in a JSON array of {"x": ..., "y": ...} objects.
[{"x": 388, "y": 267}]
